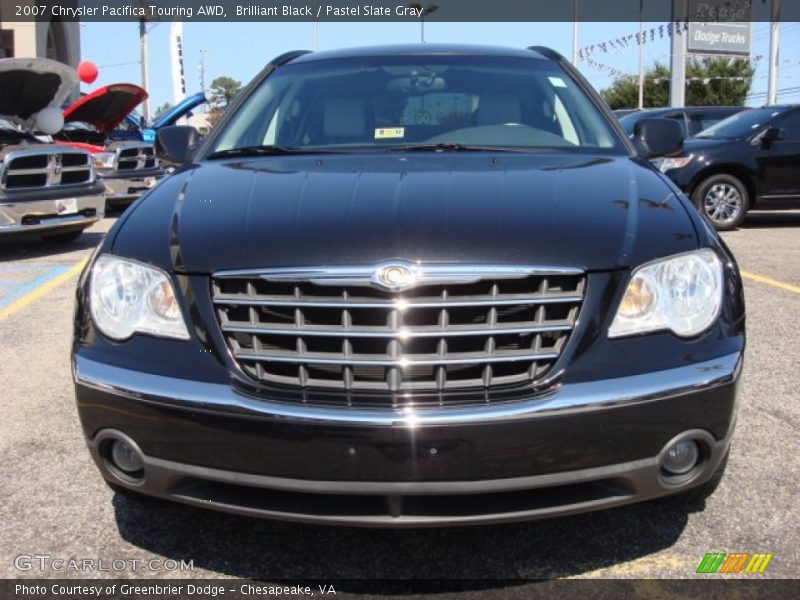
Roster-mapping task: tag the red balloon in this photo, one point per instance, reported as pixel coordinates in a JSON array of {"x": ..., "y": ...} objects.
[{"x": 87, "y": 71}]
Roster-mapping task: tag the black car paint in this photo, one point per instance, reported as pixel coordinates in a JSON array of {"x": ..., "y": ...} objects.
[
  {"x": 290, "y": 211},
  {"x": 769, "y": 170},
  {"x": 602, "y": 214},
  {"x": 685, "y": 116}
]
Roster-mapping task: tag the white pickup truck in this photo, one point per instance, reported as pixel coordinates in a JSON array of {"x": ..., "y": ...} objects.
[{"x": 45, "y": 189}]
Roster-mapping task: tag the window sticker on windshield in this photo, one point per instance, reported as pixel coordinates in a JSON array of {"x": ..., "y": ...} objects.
[
  {"x": 557, "y": 82},
  {"x": 388, "y": 133}
]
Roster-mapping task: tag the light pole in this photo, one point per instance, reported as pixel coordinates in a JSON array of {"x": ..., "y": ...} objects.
[
  {"x": 677, "y": 61},
  {"x": 423, "y": 12},
  {"x": 575, "y": 32},
  {"x": 315, "y": 33},
  {"x": 774, "y": 44},
  {"x": 202, "y": 66},
  {"x": 143, "y": 58},
  {"x": 641, "y": 55}
]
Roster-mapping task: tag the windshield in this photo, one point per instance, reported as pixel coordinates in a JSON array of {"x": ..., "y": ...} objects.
[
  {"x": 740, "y": 125},
  {"x": 390, "y": 103}
]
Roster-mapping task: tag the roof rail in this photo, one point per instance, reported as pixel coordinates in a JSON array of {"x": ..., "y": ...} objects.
[
  {"x": 288, "y": 57},
  {"x": 548, "y": 52}
]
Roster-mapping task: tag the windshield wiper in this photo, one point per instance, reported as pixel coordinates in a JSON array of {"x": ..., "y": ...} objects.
[
  {"x": 453, "y": 147},
  {"x": 269, "y": 150}
]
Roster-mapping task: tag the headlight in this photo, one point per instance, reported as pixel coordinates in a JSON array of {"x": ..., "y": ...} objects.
[
  {"x": 682, "y": 293},
  {"x": 103, "y": 160},
  {"x": 665, "y": 164},
  {"x": 129, "y": 297}
]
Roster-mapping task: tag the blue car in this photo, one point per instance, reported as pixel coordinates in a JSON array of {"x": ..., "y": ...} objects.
[{"x": 131, "y": 128}]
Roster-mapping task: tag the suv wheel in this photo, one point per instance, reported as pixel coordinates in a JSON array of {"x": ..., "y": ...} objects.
[{"x": 723, "y": 199}]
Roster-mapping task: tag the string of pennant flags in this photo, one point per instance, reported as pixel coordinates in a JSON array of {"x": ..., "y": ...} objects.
[
  {"x": 626, "y": 43},
  {"x": 617, "y": 73},
  {"x": 634, "y": 39}
]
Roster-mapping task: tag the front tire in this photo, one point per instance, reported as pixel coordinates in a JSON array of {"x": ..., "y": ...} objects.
[{"x": 723, "y": 199}]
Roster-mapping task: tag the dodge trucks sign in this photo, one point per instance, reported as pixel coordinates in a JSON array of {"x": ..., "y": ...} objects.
[{"x": 723, "y": 38}]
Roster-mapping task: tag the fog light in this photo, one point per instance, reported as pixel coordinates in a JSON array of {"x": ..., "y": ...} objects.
[
  {"x": 680, "y": 458},
  {"x": 126, "y": 458}
]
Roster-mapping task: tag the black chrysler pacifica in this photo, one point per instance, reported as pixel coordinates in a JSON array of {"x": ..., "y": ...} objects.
[{"x": 408, "y": 286}]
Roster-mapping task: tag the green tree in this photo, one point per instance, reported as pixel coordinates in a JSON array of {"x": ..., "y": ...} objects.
[
  {"x": 161, "y": 109},
  {"x": 223, "y": 90},
  {"x": 624, "y": 92},
  {"x": 723, "y": 82},
  {"x": 711, "y": 82}
]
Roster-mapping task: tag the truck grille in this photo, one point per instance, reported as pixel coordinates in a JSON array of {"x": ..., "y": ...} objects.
[
  {"x": 135, "y": 158},
  {"x": 505, "y": 328},
  {"x": 45, "y": 168}
]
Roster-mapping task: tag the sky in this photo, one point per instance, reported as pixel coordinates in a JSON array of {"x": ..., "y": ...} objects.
[{"x": 240, "y": 50}]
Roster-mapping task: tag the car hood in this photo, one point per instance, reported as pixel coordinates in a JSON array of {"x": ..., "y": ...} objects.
[
  {"x": 700, "y": 146},
  {"x": 171, "y": 116},
  {"x": 31, "y": 84},
  {"x": 588, "y": 212},
  {"x": 106, "y": 107}
]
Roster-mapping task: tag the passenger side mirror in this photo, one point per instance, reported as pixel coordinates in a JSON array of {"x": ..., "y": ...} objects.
[
  {"x": 659, "y": 137},
  {"x": 772, "y": 134},
  {"x": 173, "y": 144}
]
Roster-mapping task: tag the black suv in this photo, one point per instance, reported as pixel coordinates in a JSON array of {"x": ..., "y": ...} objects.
[
  {"x": 409, "y": 286},
  {"x": 748, "y": 161},
  {"x": 693, "y": 119}
]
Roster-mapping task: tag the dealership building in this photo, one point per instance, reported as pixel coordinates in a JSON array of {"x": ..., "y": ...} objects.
[{"x": 43, "y": 38}]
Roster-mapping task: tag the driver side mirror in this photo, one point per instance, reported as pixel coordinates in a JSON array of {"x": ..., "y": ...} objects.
[
  {"x": 174, "y": 144},
  {"x": 773, "y": 134},
  {"x": 659, "y": 137}
]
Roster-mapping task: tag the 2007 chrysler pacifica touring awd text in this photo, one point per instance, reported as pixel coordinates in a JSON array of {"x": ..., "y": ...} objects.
[{"x": 411, "y": 286}]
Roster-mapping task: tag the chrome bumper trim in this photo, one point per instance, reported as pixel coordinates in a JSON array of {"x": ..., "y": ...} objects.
[
  {"x": 118, "y": 184},
  {"x": 573, "y": 397},
  {"x": 12, "y": 213}
]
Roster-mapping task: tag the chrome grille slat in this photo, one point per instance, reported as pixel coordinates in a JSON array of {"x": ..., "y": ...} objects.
[
  {"x": 45, "y": 167},
  {"x": 13, "y": 171},
  {"x": 420, "y": 332},
  {"x": 313, "y": 359},
  {"x": 500, "y": 326},
  {"x": 411, "y": 303},
  {"x": 135, "y": 157}
]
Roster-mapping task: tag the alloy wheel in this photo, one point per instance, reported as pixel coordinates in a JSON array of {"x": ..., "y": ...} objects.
[{"x": 723, "y": 203}]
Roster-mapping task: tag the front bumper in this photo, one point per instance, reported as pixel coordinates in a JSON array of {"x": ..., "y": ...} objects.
[
  {"x": 41, "y": 216},
  {"x": 581, "y": 447},
  {"x": 123, "y": 188}
]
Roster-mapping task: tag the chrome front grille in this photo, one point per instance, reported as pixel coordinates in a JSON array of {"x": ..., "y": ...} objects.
[
  {"x": 45, "y": 167},
  {"x": 136, "y": 157},
  {"x": 335, "y": 330}
]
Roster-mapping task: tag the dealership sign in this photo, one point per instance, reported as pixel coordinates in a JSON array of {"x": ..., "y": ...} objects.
[{"x": 723, "y": 38}]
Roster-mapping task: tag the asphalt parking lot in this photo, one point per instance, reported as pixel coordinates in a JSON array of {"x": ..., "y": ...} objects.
[{"x": 54, "y": 502}]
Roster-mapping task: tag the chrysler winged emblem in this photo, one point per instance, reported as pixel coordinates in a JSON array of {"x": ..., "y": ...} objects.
[{"x": 394, "y": 277}]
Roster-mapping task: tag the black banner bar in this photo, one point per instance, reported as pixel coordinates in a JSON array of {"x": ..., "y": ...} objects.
[
  {"x": 713, "y": 587},
  {"x": 397, "y": 10}
]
